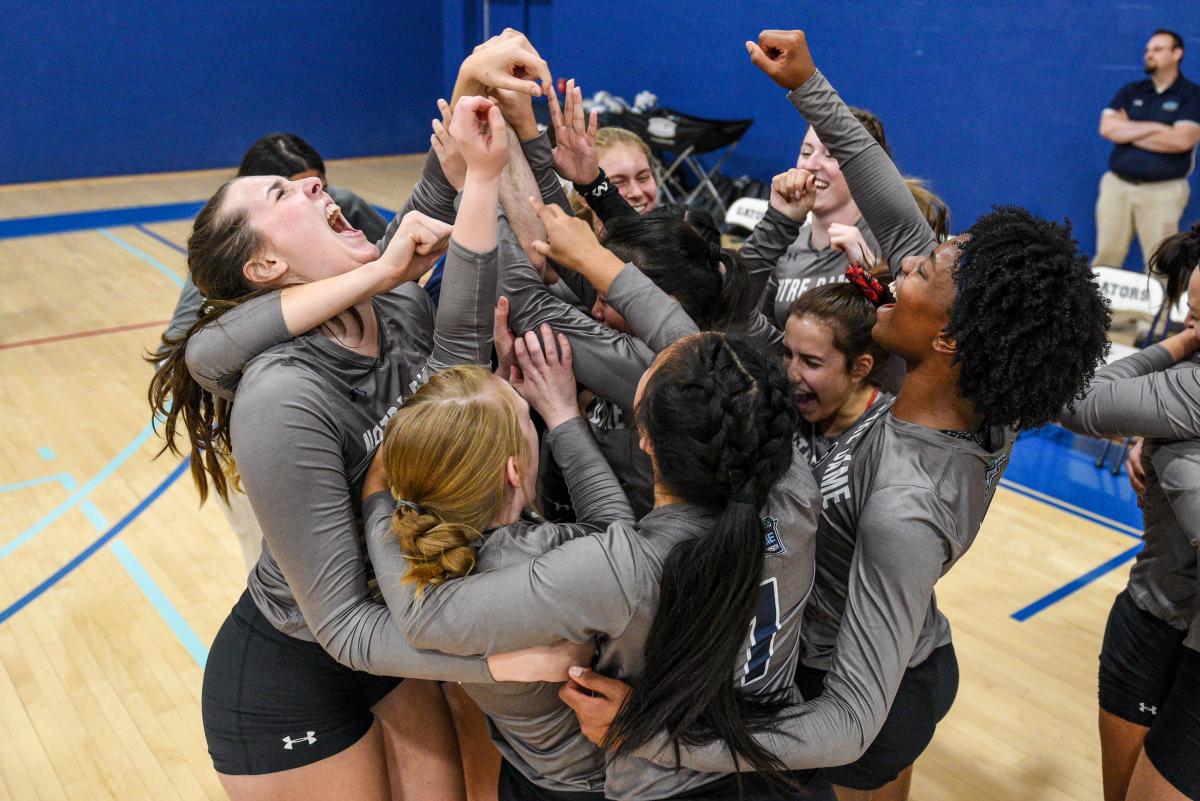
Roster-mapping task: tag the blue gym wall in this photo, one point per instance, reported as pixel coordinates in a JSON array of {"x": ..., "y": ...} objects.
[
  {"x": 991, "y": 101},
  {"x": 129, "y": 86}
]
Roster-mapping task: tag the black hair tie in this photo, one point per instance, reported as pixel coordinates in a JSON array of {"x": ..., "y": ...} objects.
[{"x": 749, "y": 500}]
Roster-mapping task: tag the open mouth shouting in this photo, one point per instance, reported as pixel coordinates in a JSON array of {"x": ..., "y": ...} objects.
[{"x": 338, "y": 222}]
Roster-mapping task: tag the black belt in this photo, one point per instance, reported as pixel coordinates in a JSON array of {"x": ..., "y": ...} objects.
[{"x": 1138, "y": 181}]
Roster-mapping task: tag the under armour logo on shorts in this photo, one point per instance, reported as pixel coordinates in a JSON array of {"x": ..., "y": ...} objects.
[
  {"x": 288, "y": 742},
  {"x": 1153, "y": 710}
]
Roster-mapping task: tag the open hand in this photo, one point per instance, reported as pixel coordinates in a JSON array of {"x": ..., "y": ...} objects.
[
  {"x": 575, "y": 140},
  {"x": 849, "y": 240},
  {"x": 596, "y": 700},
  {"x": 783, "y": 56},
  {"x": 479, "y": 129},
  {"x": 569, "y": 240},
  {"x": 547, "y": 380},
  {"x": 506, "y": 61},
  {"x": 454, "y": 166},
  {"x": 793, "y": 193},
  {"x": 517, "y": 108}
]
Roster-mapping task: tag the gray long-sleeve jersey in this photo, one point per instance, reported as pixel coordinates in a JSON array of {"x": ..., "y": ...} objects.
[
  {"x": 606, "y": 361},
  {"x": 1147, "y": 394},
  {"x": 607, "y": 585},
  {"x": 779, "y": 254},
  {"x": 308, "y": 417},
  {"x": 535, "y": 731},
  {"x": 901, "y": 504}
]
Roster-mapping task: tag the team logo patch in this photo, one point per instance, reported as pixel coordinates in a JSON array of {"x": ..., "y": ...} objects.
[
  {"x": 1171, "y": 105},
  {"x": 994, "y": 469},
  {"x": 772, "y": 544}
]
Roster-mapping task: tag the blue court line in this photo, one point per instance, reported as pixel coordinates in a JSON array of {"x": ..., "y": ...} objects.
[
  {"x": 58, "y": 478},
  {"x": 166, "y": 610},
  {"x": 143, "y": 255},
  {"x": 93, "y": 515},
  {"x": 160, "y": 238},
  {"x": 45, "y": 453},
  {"x": 1070, "y": 508},
  {"x": 103, "y": 218},
  {"x": 78, "y": 495},
  {"x": 100, "y": 542},
  {"x": 1021, "y": 615}
]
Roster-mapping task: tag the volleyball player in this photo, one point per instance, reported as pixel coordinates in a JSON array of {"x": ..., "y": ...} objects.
[
  {"x": 461, "y": 456},
  {"x": 1149, "y": 667},
  {"x": 728, "y": 542},
  {"x": 308, "y": 612},
  {"x": 1010, "y": 303}
]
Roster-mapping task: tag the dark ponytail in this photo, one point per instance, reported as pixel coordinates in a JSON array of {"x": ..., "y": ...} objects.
[
  {"x": 720, "y": 419},
  {"x": 679, "y": 248},
  {"x": 219, "y": 245},
  {"x": 1174, "y": 259}
]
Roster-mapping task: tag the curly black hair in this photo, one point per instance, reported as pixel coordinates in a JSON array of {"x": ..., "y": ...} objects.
[{"x": 1029, "y": 319}]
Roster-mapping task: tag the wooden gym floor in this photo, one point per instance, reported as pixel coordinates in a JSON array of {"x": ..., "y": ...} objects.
[{"x": 113, "y": 582}]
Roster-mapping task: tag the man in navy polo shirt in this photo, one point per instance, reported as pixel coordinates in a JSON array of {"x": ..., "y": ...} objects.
[{"x": 1155, "y": 125}]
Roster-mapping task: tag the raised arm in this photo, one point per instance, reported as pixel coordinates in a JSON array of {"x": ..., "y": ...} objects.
[
  {"x": 1144, "y": 394},
  {"x": 877, "y": 186},
  {"x": 545, "y": 378},
  {"x": 463, "y": 332},
  {"x": 217, "y": 353},
  {"x": 606, "y": 361},
  {"x": 301, "y": 498}
]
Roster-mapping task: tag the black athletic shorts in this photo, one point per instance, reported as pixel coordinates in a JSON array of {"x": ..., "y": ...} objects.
[
  {"x": 813, "y": 786},
  {"x": 1173, "y": 744},
  {"x": 925, "y": 695},
  {"x": 271, "y": 702},
  {"x": 1138, "y": 661}
]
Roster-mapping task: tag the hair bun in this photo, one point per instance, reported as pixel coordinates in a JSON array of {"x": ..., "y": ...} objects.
[{"x": 1196, "y": 228}]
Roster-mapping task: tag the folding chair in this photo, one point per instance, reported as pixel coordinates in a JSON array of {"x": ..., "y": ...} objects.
[
  {"x": 685, "y": 137},
  {"x": 746, "y": 212},
  {"x": 1128, "y": 291}
]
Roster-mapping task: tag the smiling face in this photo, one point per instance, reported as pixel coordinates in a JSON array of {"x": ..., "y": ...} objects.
[
  {"x": 833, "y": 194},
  {"x": 629, "y": 170},
  {"x": 924, "y": 292},
  {"x": 816, "y": 368},
  {"x": 301, "y": 228}
]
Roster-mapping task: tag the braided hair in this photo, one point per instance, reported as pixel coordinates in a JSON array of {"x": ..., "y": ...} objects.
[{"x": 719, "y": 415}]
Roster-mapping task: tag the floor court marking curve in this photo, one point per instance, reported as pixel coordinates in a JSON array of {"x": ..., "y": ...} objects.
[
  {"x": 78, "y": 495},
  {"x": 99, "y": 543},
  {"x": 141, "y": 254}
]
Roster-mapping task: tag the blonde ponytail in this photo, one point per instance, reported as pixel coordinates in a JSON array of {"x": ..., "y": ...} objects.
[{"x": 445, "y": 453}]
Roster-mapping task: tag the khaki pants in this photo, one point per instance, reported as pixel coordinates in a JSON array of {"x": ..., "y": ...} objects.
[{"x": 1153, "y": 209}]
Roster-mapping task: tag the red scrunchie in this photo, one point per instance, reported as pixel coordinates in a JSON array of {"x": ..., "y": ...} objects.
[{"x": 868, "y": 285}]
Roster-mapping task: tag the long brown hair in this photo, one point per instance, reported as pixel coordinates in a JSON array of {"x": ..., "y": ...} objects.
[
  {"x": 850, "y": 318},
  {"x": 446, "y": 452},
  {"x": 218, "y": 247}
]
